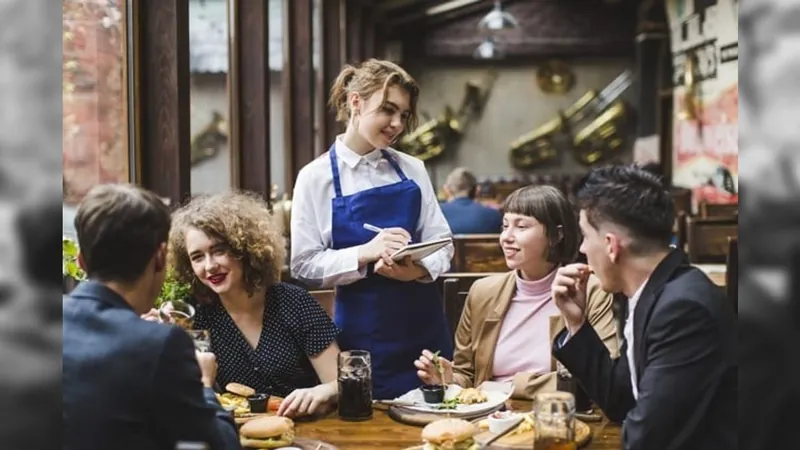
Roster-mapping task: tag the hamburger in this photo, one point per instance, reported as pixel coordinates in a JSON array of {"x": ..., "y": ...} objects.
[
  {"x": 236, "y": 398},
  {"x": 267, "y": 432},
  {"x": 240, "y": 390},
  {"x": 449, "y": 434}
]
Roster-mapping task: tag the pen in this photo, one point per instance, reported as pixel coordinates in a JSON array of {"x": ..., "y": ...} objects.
[{"x": 373, "y": 228}]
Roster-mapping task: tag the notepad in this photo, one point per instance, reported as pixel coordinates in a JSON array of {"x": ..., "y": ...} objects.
[{"x": 421, "y": 250}]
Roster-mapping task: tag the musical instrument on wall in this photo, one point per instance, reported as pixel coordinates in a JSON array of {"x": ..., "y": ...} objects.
[
  {"x": 207, "y": 143},
  {"x": 555, "y": 77},
  {"x": 576, "y": 129},
  {"x": 690, "y": 93},
  {"x": 438, "y": 135},
  {"x": 603, "y": 136},
  {"x": 281, "y": 210}
]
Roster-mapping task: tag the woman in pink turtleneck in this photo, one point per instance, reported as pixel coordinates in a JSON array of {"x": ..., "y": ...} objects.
[{"x": 509, "y": 321}]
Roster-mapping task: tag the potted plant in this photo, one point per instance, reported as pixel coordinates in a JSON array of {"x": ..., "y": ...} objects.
[{"x": 171, "y": 290}]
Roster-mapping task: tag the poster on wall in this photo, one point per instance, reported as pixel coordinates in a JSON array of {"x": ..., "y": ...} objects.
[{"x": 705, "y": 51}]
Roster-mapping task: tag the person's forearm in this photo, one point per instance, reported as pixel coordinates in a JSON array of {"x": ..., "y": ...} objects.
[{"x": 327, "y": 268}]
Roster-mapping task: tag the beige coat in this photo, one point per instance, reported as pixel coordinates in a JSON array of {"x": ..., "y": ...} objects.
[{"x": 479, "y": 329}]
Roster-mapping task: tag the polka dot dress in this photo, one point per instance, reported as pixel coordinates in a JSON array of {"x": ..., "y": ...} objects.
[{"x": 295, "y": 328}]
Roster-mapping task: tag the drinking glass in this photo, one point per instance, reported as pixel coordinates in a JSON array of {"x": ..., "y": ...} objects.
[
  {"x": 178, "y": 312},
  {"x": 565, "y": 382},
  {"x": 202, "y": 340},
  {"x": 355, "y": 385},
  {"x": 554, "y": 421}
]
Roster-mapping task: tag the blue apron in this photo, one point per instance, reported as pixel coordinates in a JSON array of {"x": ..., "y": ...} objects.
[{"x": 393, "y": 320}]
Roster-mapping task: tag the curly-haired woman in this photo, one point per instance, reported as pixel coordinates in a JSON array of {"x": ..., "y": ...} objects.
[{"x": 269, "y": 335}]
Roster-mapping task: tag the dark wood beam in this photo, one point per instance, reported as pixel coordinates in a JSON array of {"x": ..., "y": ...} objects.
[
  {"x": 332, "y": 14},
  {"x": 161, "y": 77},
  {"x": 298, "y": 86},
  {"x": 368, "y": 33},
  {"x": 392, "y": 5},
  {"x": 421, "y": 15},
  {"x": 249, "y": 94},
  {"x": 354, "y": 32}
]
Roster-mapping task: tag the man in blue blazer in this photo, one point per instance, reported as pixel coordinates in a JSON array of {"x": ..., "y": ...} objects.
[
  {"x": 128, "y": 383},
  {"x": 463, "y": 213}
]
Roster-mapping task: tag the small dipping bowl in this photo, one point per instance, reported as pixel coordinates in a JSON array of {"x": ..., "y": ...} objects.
[
  {"x": 258, "y": 403},
  {"x": 500, "y": 420},
  {"x": 432, "y": 393}
]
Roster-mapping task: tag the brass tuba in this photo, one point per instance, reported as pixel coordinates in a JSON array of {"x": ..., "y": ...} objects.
[
  {"x": 540, "y": 145},
  {"x": 603, "y": 136},
  {"x": 431, "y": 138},
  {"x": 592, "y": 113},
  {"x": 435, "y": 136}
]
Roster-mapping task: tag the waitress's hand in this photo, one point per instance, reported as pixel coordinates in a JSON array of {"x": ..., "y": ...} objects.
[
  {"x": 427, "y": 372},
  {"x": 405, "y": 270},
  {"x": 304, "y": 402},
  {"x": 382, "y": 246}
]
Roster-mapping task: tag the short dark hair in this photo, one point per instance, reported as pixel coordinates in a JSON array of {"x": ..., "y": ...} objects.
[
  {"x": 551, "y": 208},
  {"x": 37, "y": 225},
  {"x": 119, "y": 228},
  {"x": 631, "y": 197}
]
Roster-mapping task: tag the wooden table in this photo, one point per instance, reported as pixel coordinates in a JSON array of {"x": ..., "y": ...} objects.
[{"x": 382, "y": 432}]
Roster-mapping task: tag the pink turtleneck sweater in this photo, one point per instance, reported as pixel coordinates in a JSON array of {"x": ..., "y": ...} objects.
[{"x": 524, "y": 341}]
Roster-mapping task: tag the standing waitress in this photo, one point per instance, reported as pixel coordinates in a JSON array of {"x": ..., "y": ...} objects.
[{"x": 392, "y": 309}]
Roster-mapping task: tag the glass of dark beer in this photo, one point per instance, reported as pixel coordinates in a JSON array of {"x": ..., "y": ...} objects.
[
  {"x": 566, "y": 383},
  {"x": 355, "y": 385},
  {"x": 554, "y": 421}
]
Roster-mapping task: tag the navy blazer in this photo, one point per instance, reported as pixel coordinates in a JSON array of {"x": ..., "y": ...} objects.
[
  {"x": 132, "y": 384},
  {"x": 685, "y": 351},
  {"x": 466, "y": 216}
]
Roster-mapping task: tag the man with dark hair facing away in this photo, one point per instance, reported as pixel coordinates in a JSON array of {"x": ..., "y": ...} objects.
[
  {"x": 675, "y": 384},
  {"x": 127, "y": 382}
]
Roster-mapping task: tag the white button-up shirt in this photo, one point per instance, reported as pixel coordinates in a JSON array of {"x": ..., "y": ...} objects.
[
  {"x": 628, "y": 333},
  {"x": 313, "y": 261}
]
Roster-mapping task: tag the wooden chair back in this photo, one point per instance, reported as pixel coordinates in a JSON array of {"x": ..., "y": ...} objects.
[
  {"x": 732, "y": 272},
  {"x": 478, "y": 253},
  {"x": 455, "y": 287},
  {"x": 707, "y": 238},
  {"x": 682, "y": 200},
  {"x": 680, "y": 230},
  {"x": 718, "y": 209}
]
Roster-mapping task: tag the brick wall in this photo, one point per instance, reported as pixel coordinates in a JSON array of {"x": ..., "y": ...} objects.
[{"x": 94, "y": 104}]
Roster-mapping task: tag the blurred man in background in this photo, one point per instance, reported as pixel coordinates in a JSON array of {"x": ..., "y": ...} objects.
[{"x": 463, "y": 213}]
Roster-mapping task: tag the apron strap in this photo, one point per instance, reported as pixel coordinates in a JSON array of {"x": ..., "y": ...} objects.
[
  {"x": 337, "y": 186},
  {"x": 394, "y": 164}
]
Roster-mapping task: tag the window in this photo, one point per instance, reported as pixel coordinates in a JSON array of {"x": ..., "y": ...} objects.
[
  {"x": 208, "y": 59},
  {"x": 95, "y": 95}
]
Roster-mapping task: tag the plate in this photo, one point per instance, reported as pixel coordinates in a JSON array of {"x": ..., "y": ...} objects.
[
  {"x": 524, "y": 440},
  {"x": 496, "y": 395}
]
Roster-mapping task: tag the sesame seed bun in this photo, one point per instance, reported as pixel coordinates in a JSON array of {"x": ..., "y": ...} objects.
[
  {"x": 240, "y": 389},
  {"x": 445, "y": 431},
  {"x": 267, "y": 432}
]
